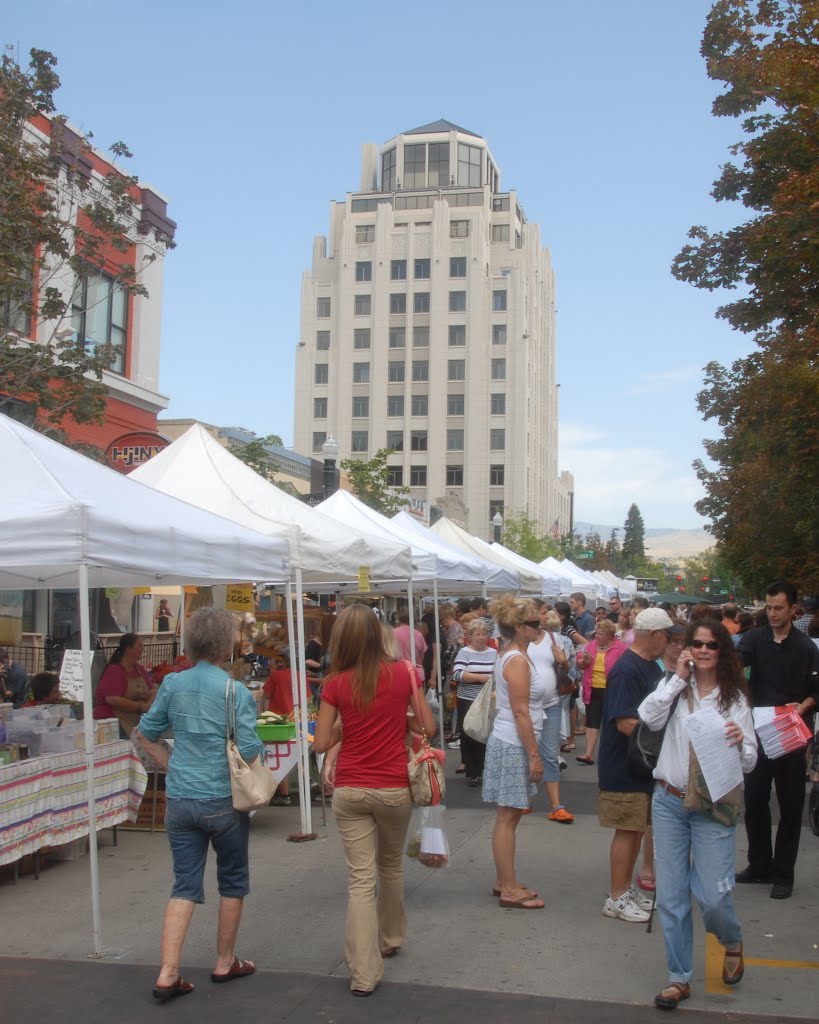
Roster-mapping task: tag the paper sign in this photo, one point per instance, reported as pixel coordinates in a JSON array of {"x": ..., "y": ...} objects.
[
  {"x": 71, "y": 683},
  {"x": 239, "y": 597},
  {"x": 363, "y": 578},
  {"x": 141, "y": 591},
  {"x": 718, "y": 760}
]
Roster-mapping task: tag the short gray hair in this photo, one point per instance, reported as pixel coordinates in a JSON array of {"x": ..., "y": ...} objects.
[
  {"x": 478, "y": 624},
  {"x": 210, "y": 635}
]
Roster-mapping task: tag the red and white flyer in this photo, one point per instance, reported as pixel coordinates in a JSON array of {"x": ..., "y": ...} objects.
[{"x": 781, "y": 730}]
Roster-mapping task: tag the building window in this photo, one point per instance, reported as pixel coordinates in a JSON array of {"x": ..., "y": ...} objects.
[
  {"x": 361, "y": 338},
  {"x": 499, "y": 301},
  {"x": 420, "y": 370},
  {"x": 497, "y": 440},
  {"x": 321, "y": 373},
  {"x": 497, "y": 405},
  {"x": 457, "y": 302},
  {"x": 420, "y": 302},
  {"x": 456, "y": 369},
  {"x": 362, "y": 305},
  {"x": 438, "y": 164},
  {"x": 497, "y": 475},
  {"x": 495, "y": 507},
  {"x": 398, "y": 270},
  {"x": 420, "y": 405},
  {"x": 358, "y": 441},
  {"x": 454, "y": 405},
  {"x": 418, "y": 476},
  {"x": 498, "y": 369},
  {"x": 420, "y": 337},
  {"x": 15, "y": 314},
  {"x": 518, "y": 240},
  {"x": 364, "y": 233},
  {"x": 422, "y": 269},
  {"x": 500, "y": 204},
  {"x": 319, "y": 437},
  {"x": 500, "y": 233},
  {"x": 415, "y": 169},
  {"x": 457, "y": 334},
  {"x": 398, "y": 302},
  {"x": 455, "y": 440},
  {"x": 361, "y": 373},
  {"x": 322, "y": 341},
  {"x": 364, "y": 271},
  {"x": 323, "y": 306},
  {"x": 395, "y": 440},
  {"x": 365, "y": 205},
  {"x": 398, "y": 337},
  {"x": 395, "y": 405},
  {"x": 319, "y": 408},
  {"x": 361, "y": 406},
  {"x": 457, "y": 266},
  {"x": 395, "y": 373},
  {"x": 498, "y": 334},
  {"x": 469, "y": 165},
  {"x": 418, "y": 440},
  {"x": 459, "y": 229},
  {"x": 388, "y": 171},
  {"x": 395, "y": 476},
  {"x": 454, "y": 476}
]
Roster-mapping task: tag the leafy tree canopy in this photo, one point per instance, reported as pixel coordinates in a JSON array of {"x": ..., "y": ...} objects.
[
  {"x": 521, "y": 534},
  {"x": 254, "y": 454},
  {"x": 634, "y": 535},
  {"x": 370, "y": 483},
  {"x": 762, "y": 490},
  {"x": 47, "y": 248}
]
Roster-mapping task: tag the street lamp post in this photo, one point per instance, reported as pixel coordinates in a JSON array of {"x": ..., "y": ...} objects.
[
  {"x": 497, "y": 525},
  {"x": 330, "y": 452}
]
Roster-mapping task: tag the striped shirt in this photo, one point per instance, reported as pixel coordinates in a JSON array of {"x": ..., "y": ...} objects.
[{"x": 470, "y": 660}]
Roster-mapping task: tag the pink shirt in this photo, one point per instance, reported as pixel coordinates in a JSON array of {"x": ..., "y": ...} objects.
[{"x": 402, "y": 636}]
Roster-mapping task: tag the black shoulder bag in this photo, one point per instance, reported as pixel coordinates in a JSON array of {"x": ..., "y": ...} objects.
[{"x": 644, "y": 746}]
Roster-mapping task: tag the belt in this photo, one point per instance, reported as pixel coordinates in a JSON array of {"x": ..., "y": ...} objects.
[{"x": 680, "y": 793}]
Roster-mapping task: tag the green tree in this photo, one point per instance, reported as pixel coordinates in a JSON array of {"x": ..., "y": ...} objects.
[
  {"x": 254, "y": 454},
  {"x": 762, "y": 489},
  {"x": 43, "y": 242},
  {"x": 634, "y": 534},
  {"x": 521, "y": 534},
  {"x": 370, "y": 483}
]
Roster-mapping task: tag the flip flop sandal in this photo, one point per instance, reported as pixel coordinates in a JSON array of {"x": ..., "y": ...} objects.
[
  {"x": 566, "y": 748},
  {"x": 561, "y": 816},
  {"x": 162, "y": 993},
  {"x": 521, "y": 903},
  {"x": 532, "y": 892},
  {"x": 646, "y": 883},
  {"x": 584, "y": 759},
  {"x": 238, "y": 969}
]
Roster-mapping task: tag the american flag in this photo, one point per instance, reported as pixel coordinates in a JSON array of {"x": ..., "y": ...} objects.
[{"x": 555, "y": 530}]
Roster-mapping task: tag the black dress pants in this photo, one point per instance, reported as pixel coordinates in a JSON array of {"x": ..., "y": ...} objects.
[
  {"x": 788, "y": 777},
  {"x": 473, "y": 753}
]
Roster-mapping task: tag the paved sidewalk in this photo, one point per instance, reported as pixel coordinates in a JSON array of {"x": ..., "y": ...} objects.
[{"x": 570, "y": 958}]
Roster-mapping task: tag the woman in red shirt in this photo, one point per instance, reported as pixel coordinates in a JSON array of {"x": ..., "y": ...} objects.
[{"x": 369, "y": 696}]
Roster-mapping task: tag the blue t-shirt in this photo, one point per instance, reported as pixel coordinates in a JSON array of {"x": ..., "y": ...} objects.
[
  {"x": 586, "y": 624},
  {"x": 630, "y": 681},
  {"x": 192, "y": 703}
]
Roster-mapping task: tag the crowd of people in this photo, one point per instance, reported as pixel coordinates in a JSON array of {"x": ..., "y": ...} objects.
[{"x": 626, "y": 669}]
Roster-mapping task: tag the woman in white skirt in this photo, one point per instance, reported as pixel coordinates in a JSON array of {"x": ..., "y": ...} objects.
[{"x": 513, "y": 764}]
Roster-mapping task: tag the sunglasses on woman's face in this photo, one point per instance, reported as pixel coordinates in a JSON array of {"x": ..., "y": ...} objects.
[
  {"x": 710, "y": 645},
  {"x": 532, "y": 623}
]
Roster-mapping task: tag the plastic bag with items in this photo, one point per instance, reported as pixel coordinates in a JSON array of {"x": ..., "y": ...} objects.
[{"x": 426, "y": 838}]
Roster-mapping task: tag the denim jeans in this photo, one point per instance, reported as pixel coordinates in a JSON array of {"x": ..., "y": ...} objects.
[
  {"x": 549, "y": 744},
  {"x": 373, "y": 826},
  {"x": 194, "y": 824},
  {"x": 693, "y": 856}
]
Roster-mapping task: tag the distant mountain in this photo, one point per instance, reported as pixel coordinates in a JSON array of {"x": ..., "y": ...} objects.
[{"x": 660, "y": 542}]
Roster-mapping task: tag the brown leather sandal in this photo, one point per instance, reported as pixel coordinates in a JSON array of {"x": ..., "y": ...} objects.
[
  {"x": 673, "y": 993},
  {"x": 733, "y": 966}
]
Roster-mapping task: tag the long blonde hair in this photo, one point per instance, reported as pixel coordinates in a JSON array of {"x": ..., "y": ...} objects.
[{"x": 358, "y": 648}]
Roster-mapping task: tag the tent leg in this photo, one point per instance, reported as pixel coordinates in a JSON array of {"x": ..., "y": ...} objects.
[
  {"x": 440, "y": 677},
  {"x": 295, "y": 668},
  {"x": 411, "y": 602},
  {"x": 301, "y": 731},
  {"x": 88, "y": 721}
]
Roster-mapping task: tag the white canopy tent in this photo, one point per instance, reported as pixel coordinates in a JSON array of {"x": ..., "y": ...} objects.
[
  {"x": 550, "y": 580},
  {"x": 68, "y": 521},
  {"x": 568, "y": 581},
  {"x": 529, "y": 581},
  {"x": 597, "y": 589},
  {"x": 324, "y": 555}
]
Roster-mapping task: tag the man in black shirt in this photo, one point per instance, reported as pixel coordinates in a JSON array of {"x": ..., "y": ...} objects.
[{"x": 784, "y": 667}]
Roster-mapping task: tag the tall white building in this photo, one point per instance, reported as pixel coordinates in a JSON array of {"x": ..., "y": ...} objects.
[{"x": 428, "y": 327}]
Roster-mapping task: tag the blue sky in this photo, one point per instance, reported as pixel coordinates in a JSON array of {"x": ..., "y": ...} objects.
[{"x": 250, "y": 117}]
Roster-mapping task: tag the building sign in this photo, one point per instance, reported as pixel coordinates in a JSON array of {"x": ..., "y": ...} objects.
[
  {"x": 131, "y": 450},
  {"x": 419, "y": 508}
]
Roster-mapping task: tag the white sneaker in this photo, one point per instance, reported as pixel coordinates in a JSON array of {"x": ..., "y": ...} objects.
[
  {"x": 454, "y": 745},
  {"x": 625, "y": 909},
  {"x": 643, "y": 901}
]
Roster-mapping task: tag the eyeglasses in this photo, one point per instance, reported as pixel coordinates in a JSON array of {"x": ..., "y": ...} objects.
[
  {"x": 711, "y": 645},
  {"x": 532, "y": 623}
]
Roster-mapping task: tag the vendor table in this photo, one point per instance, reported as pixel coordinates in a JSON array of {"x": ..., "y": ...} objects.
[{"x": 44, "y": 800}]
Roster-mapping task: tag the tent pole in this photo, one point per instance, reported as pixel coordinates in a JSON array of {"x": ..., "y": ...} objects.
[
  {"x": 411, "y": 622},
  {"x": 440, "y": 677},
  {"x": 301, "y": 732},
  {"x": 88, "y": 722},
  {"x": 296, "y": 668}
]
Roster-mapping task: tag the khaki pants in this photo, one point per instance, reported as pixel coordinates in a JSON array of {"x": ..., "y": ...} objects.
[{"x": 373, "y": 826}]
